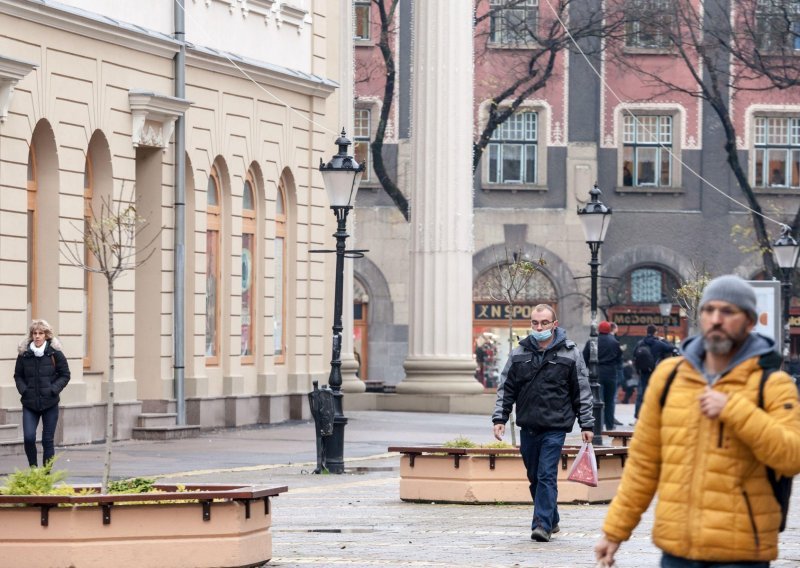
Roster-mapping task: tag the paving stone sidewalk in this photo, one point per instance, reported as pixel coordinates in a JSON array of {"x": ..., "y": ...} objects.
[{"x": 357, "y": 519}]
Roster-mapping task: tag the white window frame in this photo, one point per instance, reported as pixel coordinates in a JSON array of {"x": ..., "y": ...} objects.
[
  {"x": 659, "y": 137},
  {"x": 775, "y": 135},
  {"x": 635, "y": 30},
  {"x": 362, "y": 6},
  {"x": 520, "y": 130},
  {"x": 769, "y": 19},
  {"x": 362, "y": 135},
  {"x": 523, "y": 11}
]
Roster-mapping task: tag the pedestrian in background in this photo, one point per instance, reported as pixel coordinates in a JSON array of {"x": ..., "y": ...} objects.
[
  {"x": 630, "y": 381},
  {"x": 704, "y": 441},
  {"x": 609, "y": 359},
  {"x": 547, "y": 381},
  {"x": 646, "y": 355},
  {"x": 41, "y": 373},
  {"x": 620, "y": 371}
]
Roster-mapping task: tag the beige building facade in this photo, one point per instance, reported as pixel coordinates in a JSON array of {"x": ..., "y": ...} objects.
[{"x": 88, "y": 113}]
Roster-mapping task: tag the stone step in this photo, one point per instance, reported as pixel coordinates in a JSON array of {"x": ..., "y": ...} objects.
[
  {"x": 9, "y": 432},
  {"x": 12, "y": 448},
  {"x": 156, "y": 419},
  {"x": 172, "y": 432}
]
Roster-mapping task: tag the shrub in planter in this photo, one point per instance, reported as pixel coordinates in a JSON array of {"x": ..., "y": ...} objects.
[{"x": 160, "y": 526}]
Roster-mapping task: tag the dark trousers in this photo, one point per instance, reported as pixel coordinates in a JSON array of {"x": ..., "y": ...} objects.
[
  {"x": 541, "y": 454},
  {"x": 669, "y": 561},
  {"x": 30, "y": 421},
  {"x": 644, "y": 378},
  {"x": 608, "y": 384}
]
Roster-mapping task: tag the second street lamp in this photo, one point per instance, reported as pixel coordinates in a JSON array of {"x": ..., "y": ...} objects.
[
  {"x": 341, "y": 177},
  {"x": 785, "y": 249},
  {"x": 594, "y": 218},
  {"x": 665, "y": 308}
]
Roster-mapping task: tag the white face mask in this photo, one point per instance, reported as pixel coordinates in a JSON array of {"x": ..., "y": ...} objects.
[{"x": 543, "y": 335}]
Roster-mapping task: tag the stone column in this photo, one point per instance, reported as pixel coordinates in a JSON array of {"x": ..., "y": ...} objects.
[
  {"x": 440, "y": 282},
  {"x": 350, "y": 382}
]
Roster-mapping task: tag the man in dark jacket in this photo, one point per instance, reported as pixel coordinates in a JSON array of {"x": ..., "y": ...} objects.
[
  {"x": 659, "y": 349},
  {"x": 609, "y": 359},
  {"x": 547, "y": 381}
]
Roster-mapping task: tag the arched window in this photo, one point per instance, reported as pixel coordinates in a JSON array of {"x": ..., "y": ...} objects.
[
  {"x": 279, "y": 318},
  {"x": 248, "y": 269},
  {"x": 88, "y": 192},
  {"x": 539, "y": 289},
  {"x": 213, "y": 244},
  {"x": 648, "y": 284},
  {"x": 32, "y": 220}
]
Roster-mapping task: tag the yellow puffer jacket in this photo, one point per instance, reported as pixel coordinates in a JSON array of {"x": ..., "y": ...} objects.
[{"x": 714, "y": 500}]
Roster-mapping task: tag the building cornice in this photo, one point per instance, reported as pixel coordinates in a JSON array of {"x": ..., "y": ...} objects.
[
  {"x": 102, "y": 28},
  {"x": 88, "y": 24},
  {"x": 273, "y": 75}
]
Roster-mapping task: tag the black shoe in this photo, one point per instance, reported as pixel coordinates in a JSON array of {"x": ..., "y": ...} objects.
[
  {"x": 556, "y": 528},
  {"x": 617, "y": 422},
  {"x": 540, "y": 535}
]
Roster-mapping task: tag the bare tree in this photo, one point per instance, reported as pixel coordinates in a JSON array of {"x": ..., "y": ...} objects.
[
  {"x": 688, "y": 295},
  {"x": 532, "y": 40},
  {"x": 386, "y": 44},
  {"x": 765, "y": 39},
  {"x": 527, "y": 67},
  {"x": 509, "y": 279},
  {"x": 107, "y": 246},
  {"x": 702, "y": 39}
]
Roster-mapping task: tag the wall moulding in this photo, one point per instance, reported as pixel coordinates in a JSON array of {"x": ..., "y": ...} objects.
[
  {"x": 153, "y": 117},
  {"x": 12, "y": 71}
]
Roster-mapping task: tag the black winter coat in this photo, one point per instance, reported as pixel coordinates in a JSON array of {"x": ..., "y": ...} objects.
[
  {"x": 609, "y": 355},
  {"x": 41, "y": 379},
  {"x": 545, "y": 389}
]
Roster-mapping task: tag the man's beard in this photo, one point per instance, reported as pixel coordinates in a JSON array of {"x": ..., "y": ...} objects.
[
  {"x": 722, "y": 343},
  {"x": 718, "y": 345}
]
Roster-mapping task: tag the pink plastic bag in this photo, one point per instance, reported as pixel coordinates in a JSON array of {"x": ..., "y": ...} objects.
[{"x": 584, "y": 470}]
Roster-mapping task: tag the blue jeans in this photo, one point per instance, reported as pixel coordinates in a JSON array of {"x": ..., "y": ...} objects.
[
  {"x": 541, "y": 454},
  {"x": 669, "y": 561},
  {"x": 644, "y": 378},
  {"x": 608, "y": 388},
  {"x": 30, "y": 421}
]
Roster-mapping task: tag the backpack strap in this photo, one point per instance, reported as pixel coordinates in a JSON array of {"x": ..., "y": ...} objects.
[
  {"x": 781, "y": 486},
  {"x": 668, "y": 384}
]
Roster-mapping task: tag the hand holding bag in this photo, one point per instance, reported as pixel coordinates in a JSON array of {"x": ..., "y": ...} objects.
[{"x": 584, "y": 470}]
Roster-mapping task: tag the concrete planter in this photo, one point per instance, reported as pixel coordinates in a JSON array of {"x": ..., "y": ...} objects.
[
  {"x": 484, "y": 475},
  {"x": 215, "y": 526}
]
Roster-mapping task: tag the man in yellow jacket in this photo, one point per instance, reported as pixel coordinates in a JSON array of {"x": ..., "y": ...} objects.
[{"x": 706, "y": 451}]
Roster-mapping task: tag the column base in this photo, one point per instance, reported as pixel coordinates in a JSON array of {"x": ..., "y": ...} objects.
[
  {"x": 439, "y": 375},
  {"x": 350, "y": 382}
]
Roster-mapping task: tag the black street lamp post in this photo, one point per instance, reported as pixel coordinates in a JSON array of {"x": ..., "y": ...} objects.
[
  {"x": 341, "y": 177},
  {"x": 665, "y": 308},
  {"x": 595, "y": 217},
  {"x": 785, "y": 249}
]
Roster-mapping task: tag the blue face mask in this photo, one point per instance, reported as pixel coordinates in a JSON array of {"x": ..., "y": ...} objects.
[{"x": 543, "y": 335}]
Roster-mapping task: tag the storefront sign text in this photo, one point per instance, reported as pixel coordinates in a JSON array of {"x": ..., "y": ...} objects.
[
  {"x": 629, "y": 318},
  {"x": 485, "y": 311}
]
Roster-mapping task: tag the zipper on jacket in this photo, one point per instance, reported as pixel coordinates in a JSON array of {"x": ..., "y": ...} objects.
[
  {"x": 721, "y": 428},
  {"x": 752, "y": 518}
]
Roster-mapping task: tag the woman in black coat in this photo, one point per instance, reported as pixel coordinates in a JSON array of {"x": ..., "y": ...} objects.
[{"x": 41, "y": 374}]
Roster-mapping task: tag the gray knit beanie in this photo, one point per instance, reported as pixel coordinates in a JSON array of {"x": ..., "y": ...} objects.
[{"x": 730, "y": 288}]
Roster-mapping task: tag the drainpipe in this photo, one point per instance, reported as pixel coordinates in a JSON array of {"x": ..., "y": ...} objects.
[{"x": 179, "y": 271}]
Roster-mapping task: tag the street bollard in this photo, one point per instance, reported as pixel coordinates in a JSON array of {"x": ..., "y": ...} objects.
[{"x": 322, "y": 409}]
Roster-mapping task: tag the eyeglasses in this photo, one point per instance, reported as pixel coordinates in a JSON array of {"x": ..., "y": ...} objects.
[
  {"x": 724, "y": 311},
  {"x": 545, "y": 323}
]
